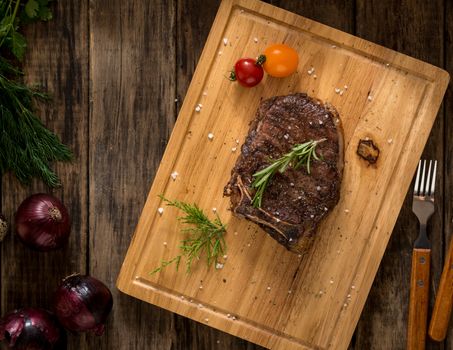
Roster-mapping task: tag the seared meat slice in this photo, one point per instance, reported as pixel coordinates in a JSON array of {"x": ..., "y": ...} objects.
[{"x": 294, "y": 202}]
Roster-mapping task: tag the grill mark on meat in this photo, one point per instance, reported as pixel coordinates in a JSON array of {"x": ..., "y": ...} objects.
[{"x": 295, "y": 202}]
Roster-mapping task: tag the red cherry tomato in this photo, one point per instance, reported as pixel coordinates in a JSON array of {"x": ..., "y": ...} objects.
[{"x": 247, "y": 72}]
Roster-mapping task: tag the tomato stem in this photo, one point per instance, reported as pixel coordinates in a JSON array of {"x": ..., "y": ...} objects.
[
  {"x": 261, "y": 59},
  {"x": 232, "y": 76}
]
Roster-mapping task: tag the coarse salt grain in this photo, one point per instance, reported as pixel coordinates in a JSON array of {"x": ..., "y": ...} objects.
[
  {"x": 321, "y": 292},
  {"x": 235, "y": 233},
  {"x": 334, "y": 46},
  {"x": 320, "y": 122},
  {"x": 206, "y": 319},
  {"x": 205, "y": 93},
  {"x": 268, "y": 288},
  {"x": 165, "y": 244},
  {"x": 255, "y": 39},
  {"x": 337, "y": 90},
  {"x": 326, "y": 209},
  {"x": 310, "y": 123},
  {"x": 286, "y": 136},
  {"x": 291, "y": 184},
  {"x": 248, "y": 245},
  {"x": 233, "y": 149},
  {"x": 349, "y": 295},
  {"x": 176, "y": 100},
  {"x": 174, "y": 175},
  {"x": 314, "y": 76},
  {"x": 346, "y": 210},
  {"x": 220, "y": 53},
  {"x": 318, "y": 188},
  {"x": 390, "y": 141},
  {"x": 370, "y": 98},
  {"x": 289, "y": 292},
  {"x": 210, "y": 136},
  {"x": 300, "y": 197},
  {"x": 345, "y": 87},
  {"x": 387, "y": 65},
  {"x": 228, "y": 315},
  {"x": 233, "y": 318},
  {"x": 341, "y": 93},
  {"x": 197, "y": 109},
  {"x": 312, "y": 216},
  {"x": 160, "y": 211},
  {"x": 214, "y": 210},
  {"x": 201, "y": 287},
  {"x": 237, "y": 141},
  {"x": 299, "y": 256},
  {"x": 277, "y": 220},
  {"x": 225, "y": 256},
  {"x": 218, "y": 341},
  {"x": 331, "y": 281},
  {"x": 225, "y": 41},
  {"x": 219, "y": 266},
  {"x": 352, "y": 287}
]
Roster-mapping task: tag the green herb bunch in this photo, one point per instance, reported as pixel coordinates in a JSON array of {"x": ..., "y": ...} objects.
[
  {"x": 300, "y": 155},
  {"x": 26, "y": 147},
  {"x": 205, "y": 237}
]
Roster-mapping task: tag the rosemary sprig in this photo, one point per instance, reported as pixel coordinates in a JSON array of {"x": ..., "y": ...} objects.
[
  {"x": 205, "y": 237},
  {"x": 300, "y": 155}
]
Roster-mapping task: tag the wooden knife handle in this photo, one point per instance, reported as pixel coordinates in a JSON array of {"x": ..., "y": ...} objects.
[
  {"x": 442, "y": 308},
  {"x": 419, "y": 299}
]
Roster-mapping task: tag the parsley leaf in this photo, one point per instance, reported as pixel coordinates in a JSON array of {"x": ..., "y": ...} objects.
[
  {"x": 32, "y": 8},
  {"x": 18, "y": 45}
]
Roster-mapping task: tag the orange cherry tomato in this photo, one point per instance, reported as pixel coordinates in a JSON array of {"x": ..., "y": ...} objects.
[{"x": 281, "y": 60}]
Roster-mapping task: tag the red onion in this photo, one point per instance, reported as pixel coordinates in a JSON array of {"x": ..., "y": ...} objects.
[
  {"x": 42, "y": 222},
  {"x": 82, "y": 303},
  {"x": 32, "y": 329},
  {"x": 3, "y": 227}
]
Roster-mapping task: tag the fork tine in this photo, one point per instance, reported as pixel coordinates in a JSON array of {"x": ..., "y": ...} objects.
[
  {"x": 417, "y": 178},
  {"x": 428, "y": 179},
  {"x": 433, "y": 182},
  {"x": 422, "y": 181}
]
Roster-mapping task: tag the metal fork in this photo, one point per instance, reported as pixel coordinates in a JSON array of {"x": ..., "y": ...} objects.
[{"x": 423, "y": 207}]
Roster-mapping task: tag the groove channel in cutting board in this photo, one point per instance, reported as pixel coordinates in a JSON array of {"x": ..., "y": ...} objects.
[{"x": 264, "y": 293}]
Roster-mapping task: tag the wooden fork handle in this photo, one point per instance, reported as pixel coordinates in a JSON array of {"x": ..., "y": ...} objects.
[
  {"x": 442, "y": 308},
  {"x": 419, "y": 299}
]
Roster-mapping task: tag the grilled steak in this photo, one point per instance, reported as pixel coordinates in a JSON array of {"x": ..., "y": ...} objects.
[{"x": 294, "y": 202}]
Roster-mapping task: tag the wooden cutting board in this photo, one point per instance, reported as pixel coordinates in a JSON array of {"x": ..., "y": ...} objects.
[{"x": 264, "y": 293}]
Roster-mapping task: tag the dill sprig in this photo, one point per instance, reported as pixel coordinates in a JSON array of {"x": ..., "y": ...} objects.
[
  {"x": 205, "y": 236},
  {"x": 300, "y": 155},
  {"x": 26, "y": 147}
]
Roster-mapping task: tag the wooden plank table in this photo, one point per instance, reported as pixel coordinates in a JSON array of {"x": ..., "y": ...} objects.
[{"x": 118, "y": 71}]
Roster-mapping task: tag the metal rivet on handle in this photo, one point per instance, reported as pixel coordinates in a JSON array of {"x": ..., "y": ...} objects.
[{"x": 420, "y": 283}]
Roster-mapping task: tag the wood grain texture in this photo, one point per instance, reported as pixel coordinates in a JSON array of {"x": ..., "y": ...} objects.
[
  {"x": 418, "y": 299},
  {"x": 448, "y": 154},
  {"x": 338, "y": 14},
  {"x": 441, "y": 314},
  {"x": 57, "y": 58},
  {"x": 132, "y": 75},
  {"x": 64, "y": 43},
  {"x": 414, "y": 28},
  {"x": 362, "y": 66}
]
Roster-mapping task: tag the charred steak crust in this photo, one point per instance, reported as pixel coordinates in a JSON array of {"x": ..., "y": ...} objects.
[{"x": 295, "y": 202}]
